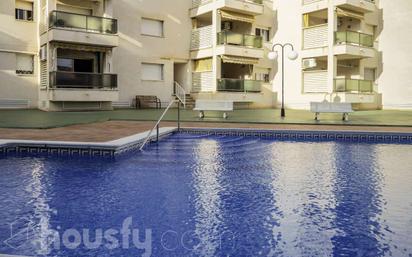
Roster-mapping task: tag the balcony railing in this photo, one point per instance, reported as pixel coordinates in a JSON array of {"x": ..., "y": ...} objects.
[
  {"x": 239, "y": 85},
  {"x": 352, "y": 37},
  {"x": 59, "y": 19},
  {"x": 353, "y": 85},
  {"x": 231, "y": 38},
  {"x": 62, "y": 79}
]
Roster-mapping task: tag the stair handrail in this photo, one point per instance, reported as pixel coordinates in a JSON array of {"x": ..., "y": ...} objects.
[
  {"x": 157, "y": 124},
  {"x": 180, "y": 93},
  {"x": 181, "y": 98}
]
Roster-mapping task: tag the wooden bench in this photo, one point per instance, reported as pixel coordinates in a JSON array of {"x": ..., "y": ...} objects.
[
  {"x": 327, "y": 107},
  {"x": 147, "y": 101},
  {"x": 213, "y": 105}
]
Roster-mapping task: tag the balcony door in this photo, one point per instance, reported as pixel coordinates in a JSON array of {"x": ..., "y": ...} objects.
[{"x": 75, "y": 65}]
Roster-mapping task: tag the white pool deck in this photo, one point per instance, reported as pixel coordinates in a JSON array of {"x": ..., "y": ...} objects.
[{"x": 113, "y": 145}]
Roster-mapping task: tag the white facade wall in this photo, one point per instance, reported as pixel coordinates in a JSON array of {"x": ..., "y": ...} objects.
[
  {"x": 393, "y": 58},
  {"x": 395, "y": 40},
  {"x": 17, "y": 37}
]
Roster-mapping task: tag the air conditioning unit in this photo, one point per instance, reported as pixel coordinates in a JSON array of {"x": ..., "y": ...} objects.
[
  {"x": 43, "y": 53},
  {"x": 309, "y": 63},
  {"x": 227, "y": 25}
]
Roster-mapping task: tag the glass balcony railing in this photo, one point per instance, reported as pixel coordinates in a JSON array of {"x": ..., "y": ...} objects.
[
  {"x": 353, "y": 85},
  {"x": 231, "y": 38},
  {"x": 59, "y": 19},
  {"x": 62, "y": 79},
  {"x": 352, "y": 37},
  {"x": 239, "y": 85}
]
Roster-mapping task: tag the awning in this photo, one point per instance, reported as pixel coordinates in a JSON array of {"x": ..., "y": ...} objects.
[
  {"x": 239, "y": 60},
  {"x": 346, "y": 13},
  {"x": 237, "y": 16},
  {"x": 78, "y": 47}
]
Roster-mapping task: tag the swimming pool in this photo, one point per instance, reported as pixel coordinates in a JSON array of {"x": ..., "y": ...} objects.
[{"x": 212, "y": 195}]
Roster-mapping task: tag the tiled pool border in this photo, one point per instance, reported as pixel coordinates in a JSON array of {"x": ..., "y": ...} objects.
[
  {"x": 324, "y": 135},
  {"x": 127, "y": 144}
]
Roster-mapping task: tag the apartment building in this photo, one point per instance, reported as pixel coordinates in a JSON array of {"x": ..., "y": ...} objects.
[
  {"x": 63, "y": 55},
  {"x": 350, "y": 51}
]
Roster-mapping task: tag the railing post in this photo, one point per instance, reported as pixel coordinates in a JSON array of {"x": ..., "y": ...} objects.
[
  {"x": 178, "y": 115},
  {"x": 157, "y": 133}
]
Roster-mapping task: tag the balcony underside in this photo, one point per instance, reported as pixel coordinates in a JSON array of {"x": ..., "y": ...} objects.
[
  {"x": 347, "y": 51},
  {"x": 83, "y": 95},
  {"x": 233, "y": 50},
  {"x": 79, "y": 37},
  {"x": 361, "y": 6},
  {"x": 240, "y": 6}
]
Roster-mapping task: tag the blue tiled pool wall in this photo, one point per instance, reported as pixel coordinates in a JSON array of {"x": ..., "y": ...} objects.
[
  {"x": 294, "y": 135},
  {"x": 290, "y": 135}
]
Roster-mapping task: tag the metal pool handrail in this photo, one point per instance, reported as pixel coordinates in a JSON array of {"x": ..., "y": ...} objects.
[{"x": 180, "y": 94}]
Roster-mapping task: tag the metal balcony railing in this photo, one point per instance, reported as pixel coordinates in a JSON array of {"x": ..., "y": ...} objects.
[
  {"x": 62, "y": 79},
  {"x": 353, "y": 85},
  {"x": 231, "y": 38},
  {"x": 59, "y": 19},
  {"x": 239, "y": 85},
  {"x": 352, "y": 37}
]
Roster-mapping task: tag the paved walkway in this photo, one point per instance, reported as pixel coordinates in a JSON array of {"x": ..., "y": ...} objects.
[
  {"x": 39, "y": 119},
  {"x": 112, "y": 130}
]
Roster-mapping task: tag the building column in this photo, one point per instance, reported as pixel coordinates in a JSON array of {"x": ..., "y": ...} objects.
[
  {"x": 216, "y": 28},
  {"x": 332, "y": 60}
]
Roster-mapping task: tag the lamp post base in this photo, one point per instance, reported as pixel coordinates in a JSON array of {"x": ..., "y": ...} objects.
[{"x": 282, "y": 113}]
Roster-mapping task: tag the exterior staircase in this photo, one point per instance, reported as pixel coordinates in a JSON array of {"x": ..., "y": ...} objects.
[{"x": 190, "y": 102}]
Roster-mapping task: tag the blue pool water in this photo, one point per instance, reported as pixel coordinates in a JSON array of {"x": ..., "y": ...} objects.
[{"x": 198, "y": 195}]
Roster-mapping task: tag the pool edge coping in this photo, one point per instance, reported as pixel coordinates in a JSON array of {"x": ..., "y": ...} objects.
[{"x": 122, "y": 145}]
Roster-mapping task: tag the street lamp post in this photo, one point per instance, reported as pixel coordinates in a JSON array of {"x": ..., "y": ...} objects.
[{"x": 293, "y": 55}]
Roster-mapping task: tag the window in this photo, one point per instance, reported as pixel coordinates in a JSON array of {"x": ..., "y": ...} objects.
[
  {"x": 263, "y": 75},
  {"x": 24, "y": 10},
  {"x": 152, "y": 71},
  {"x": 264, "y": 33},
  {"x": 150, "y": 27},
  {"x": 64, "y": 64},
  {"x": 24, "y": 64},
  {"x": 203, "y": 65}
]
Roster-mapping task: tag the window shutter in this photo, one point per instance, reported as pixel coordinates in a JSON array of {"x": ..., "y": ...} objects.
[
  {"x": 24, "y": 64},
  {"x": 152, "y": 27},
  {"x": 24, "y": 5},
  {"x": 152, "y": 71}
]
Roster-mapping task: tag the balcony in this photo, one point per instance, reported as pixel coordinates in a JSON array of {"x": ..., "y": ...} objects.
[
  {"x": 80, "y": 80},
  {"x": 250, "y": 7},
  {"x": 83, "y": 87},
  {"x": 353, "y": 85},
  {"x": 354, "y": 38},
  {"x": 233, "y": 44},
  {"x": 81, "y": 22},
  {"x": 239, "y": 85},
  {"x": 230, "y": 38},
  {"x": 81, "y": 29},
  {"x": 351, "y": 44}
]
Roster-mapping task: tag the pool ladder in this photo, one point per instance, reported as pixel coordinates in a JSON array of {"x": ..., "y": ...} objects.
[{"x": 180, "y": 98}]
